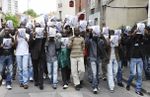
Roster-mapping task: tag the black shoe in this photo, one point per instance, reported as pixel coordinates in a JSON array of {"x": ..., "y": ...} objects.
[
  {"x": 36, "y": 84},
  {"x": 128, "y": 87},
  {"x": 81, "y": 84},
  {"x": 77, "y": 87},
  {"x": 120, "y": 84},
  {"x": 139, "y": 93},
  {"x": 41, "y": 87},
  {"x": 26, "y": 86}
]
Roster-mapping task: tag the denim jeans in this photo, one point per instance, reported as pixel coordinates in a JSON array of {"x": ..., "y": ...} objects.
[
  {"x": 6, "y": 62},
  {"x": 95, "y": 72},
  {"x": 136, "y": 66},
  {"x": 30, "y": 67},
  {"x": 112, "y": 69},
  {"x": 22, "y": 63},
  {"x": 119, "y": 74},
  {"x": 52, "y": 68}
]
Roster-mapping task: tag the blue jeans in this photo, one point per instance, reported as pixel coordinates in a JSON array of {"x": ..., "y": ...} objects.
[
  {"x": 30, "y": 67},
  {"x": 22, "y": 62},
  {"x": 6, "y": 62},
  {"x": 136, "y": 66},
  {"x": 95, "y": 72},
  {"x": 119, "y": 74},
  {"x": 52, "y": 71}
]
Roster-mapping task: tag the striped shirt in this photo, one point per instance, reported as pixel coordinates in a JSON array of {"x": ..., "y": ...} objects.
[{"x": 77, "y": 47}]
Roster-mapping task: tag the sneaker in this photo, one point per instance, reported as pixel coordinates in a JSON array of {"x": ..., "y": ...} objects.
[
  {"x": 41, "y": 87},
  {"x": 139, "y": 93},
  {"x": 54, "y": 86},
  {"x": 128, "y": 87},
  {"x": 26, "y": 86},
  {"x": 120, "y": 84},
  {"x": 3, "y": 82},
  {"x": 9, "y": 87},
  {"x": 65, "y": 86},
  {"x": 112, "y": 91},
  {"x": 31, "y": 79},
  {"x": 95, "y": 91},
  {"x": 77, "y": 87}
]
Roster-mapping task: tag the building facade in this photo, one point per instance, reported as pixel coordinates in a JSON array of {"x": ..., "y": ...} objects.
[
  {"x": 10, "y": 6},
  {"x": 117, "y": 13},
  {"x": 65, "y": 7}
]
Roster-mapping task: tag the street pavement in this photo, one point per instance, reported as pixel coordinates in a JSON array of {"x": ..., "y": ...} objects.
[{"x": 86, "y": 91}]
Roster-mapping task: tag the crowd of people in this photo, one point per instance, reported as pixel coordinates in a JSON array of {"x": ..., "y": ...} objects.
[{"x": 35, "y": 49}]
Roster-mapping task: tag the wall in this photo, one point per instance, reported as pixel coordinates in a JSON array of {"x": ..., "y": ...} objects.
[{"x": 116, "y": 17}]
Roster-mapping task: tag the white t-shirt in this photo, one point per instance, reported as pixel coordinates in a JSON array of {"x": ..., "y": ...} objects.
[{"x": 22, "y": 46}]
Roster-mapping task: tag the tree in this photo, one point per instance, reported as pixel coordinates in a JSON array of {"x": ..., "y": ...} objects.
[
  {"x": 31, "y": 12},
  {"x": 13, "y": 18}
]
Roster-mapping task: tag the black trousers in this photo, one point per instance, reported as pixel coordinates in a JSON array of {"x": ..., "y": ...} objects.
[
  {"x": 38, "y": 71},
  {"x": 65, "y": 72}
]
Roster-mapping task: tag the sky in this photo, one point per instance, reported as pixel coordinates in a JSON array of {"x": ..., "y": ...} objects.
[{"x": 39, "y": 6}]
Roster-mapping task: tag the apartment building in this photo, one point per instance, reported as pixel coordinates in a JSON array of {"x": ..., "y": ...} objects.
[
  {"x": 10, "y": 6},
  {"x": 65, "y": 7}
]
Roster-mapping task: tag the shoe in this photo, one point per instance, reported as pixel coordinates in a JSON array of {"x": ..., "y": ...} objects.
[
  {"x": 36, "y": 84},
  {"x": 21, "y": 85},
  {"x": 26, "y": 86},
  {"x": 54, "y": 86},
  {"x": 31, "y": 79},
  {"x": 81, "y": 84},
  {"x": 1, "y": 79},
  {"x": 139, "y": 93},
  {"x": 41, "y": 87},
  {"x": 95, "y": 91},
  {"x": 65, "y": 86},
  {"x": 112, "y": 91},
  {"x": 77, "y": 87},
  {"x": 120, "y": 84},
  {"x": 9, "y": 87},
  {"x": 128, "y": 87},
  {"x": 3, "y": 82}
]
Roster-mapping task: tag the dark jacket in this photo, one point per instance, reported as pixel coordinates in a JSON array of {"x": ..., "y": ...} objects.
[
  {"x": 96, "y": 49},
  {"x": 137, "y": 46},
  {"x": 37, "y": 47}
]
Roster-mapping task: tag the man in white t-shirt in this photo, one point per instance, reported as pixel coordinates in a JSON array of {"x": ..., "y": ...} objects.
[{"x": 22, "y": 55}]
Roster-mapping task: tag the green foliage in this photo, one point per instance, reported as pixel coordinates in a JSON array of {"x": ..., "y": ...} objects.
[
  {"x": 13, "y": 18},
  {"x": 31, "y": 12}
]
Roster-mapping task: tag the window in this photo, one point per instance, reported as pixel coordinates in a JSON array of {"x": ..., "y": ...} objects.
[
  {"x": 71, "y": 3},
  {"x": 93, "y": 11},
  {"x": 96, "y": 21}
]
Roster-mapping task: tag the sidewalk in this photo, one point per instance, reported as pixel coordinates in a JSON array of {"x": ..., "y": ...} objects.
[{"x": 146, "y": 83}]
